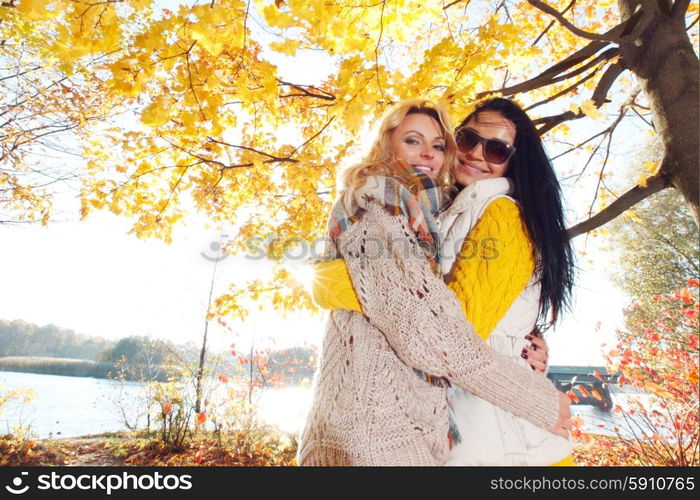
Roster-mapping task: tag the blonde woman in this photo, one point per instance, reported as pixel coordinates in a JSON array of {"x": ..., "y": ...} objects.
[{"x": 380, "y": 392}]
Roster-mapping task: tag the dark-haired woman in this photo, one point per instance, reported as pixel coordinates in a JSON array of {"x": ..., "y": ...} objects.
[
  {"x": 509, "y": 198},
  {"x": 505, "y": 254}
]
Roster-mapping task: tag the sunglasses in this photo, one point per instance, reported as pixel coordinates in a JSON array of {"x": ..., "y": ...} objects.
[{"x": 495, "y": 150}]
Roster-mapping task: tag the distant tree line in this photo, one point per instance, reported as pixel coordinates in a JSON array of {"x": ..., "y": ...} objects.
[
  {"x": 58, "y": 366},
  {"x": 294, "y": 364},
  {"x": 49, "y": 349},
  {"x": 19, "y": 338},
  {"x": 137, "y": 357}
]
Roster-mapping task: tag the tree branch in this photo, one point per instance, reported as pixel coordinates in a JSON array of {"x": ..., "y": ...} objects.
[
  {"x": 306, "y": 93},
  {"x": 680, "y": 7},
  {"x": 590, "y": 157},
  {"x": 376, "y": 50},
  {"x": 455, "y": 2},
  {"x": 172, "y": 193},
  {"x": 147, "y": 172},
  {"x": 549, "y": 122},
  {"x": 568, "y": 25},
  {"x": 603, "y": 132},
  {"x": 313, "y": 136},
  {"x": 633, "y": 23},
  {"x": 606, "y": 81},
  {"x": 574, "y": 148},
  {"x": 607, "y": 132},
  {"x": 634, "y": 108},
  {"x": 565, "y": 91},
  {"x": 549, "y": 77},
  {"x": 599, "y": 98},
  {"x": 505, "y": 8},
  {"x": 605, "y": 162},
  {"x": 627, "y": 200},
  {"x": 189, "y": 76},
  {"x": 272, "y": 158},
  {"x": 447, "y": 24},
  {"x": 575, "y": 58},
  {"x": 549, "y": 26},
  {"x": 17, "y": 75}
]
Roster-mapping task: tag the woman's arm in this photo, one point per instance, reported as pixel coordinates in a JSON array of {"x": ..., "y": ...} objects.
[
  {"x": 424, "y": 324},
  {"x": 492, "y": 269},
  {"x": 331, "y": 287}
]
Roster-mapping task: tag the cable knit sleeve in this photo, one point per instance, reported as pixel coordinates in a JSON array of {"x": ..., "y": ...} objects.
[
  {"x": 423, "y": 322},
  {"x": 331, "y": 287},
  {"x": 493, "y": 267}
]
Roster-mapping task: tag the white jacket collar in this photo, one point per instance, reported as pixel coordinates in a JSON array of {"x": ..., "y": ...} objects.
[
  {"x": 483, "y": 190},
  {"x": 458, "y": 220}
]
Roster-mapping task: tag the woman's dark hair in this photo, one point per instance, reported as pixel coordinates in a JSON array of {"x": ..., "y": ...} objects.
[{"x": 537, "y": 191}]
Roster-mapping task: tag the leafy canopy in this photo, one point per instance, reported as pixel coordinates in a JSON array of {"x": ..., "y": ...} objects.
[{"x": 187, "y": 110}]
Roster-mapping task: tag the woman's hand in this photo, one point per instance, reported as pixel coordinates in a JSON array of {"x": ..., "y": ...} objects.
[
  {"x": 537, "y": 354},
  {"x": 564, "y": 422}
]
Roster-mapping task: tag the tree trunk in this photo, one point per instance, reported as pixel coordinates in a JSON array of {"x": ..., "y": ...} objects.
[
  {"x": 664, "y": 62},
  {"x": 203, "y": 351}
]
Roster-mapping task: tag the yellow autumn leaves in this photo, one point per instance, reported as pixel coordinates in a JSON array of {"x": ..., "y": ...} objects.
[
  {"x": 651, "y": 168},
  {"x": 190, "y": 109}
]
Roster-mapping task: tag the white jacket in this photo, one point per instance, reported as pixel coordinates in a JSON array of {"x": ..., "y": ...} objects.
[{"x": 491, "y": 435}]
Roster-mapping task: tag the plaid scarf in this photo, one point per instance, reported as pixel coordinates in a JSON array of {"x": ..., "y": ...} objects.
[{"x": 401, "y": 190}]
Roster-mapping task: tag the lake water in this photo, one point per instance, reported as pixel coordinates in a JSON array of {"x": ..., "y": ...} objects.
[
  {"x": 75, "y": 406},
  {"x": 63, "y": 406}
]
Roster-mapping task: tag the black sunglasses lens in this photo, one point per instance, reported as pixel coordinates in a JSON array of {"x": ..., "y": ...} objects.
[
  {"x": 496, "y": 152},
  {"x": 467, "y": 140}
]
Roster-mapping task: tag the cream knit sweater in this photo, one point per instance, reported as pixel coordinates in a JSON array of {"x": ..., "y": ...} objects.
[{"x": 369, "y": 406}]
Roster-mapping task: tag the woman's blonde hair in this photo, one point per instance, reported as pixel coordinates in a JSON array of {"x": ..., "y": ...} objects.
[{"x": 380, "y": 153}]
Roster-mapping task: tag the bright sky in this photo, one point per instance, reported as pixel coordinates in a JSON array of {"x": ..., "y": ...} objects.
[{"x": 96, "y": 279}]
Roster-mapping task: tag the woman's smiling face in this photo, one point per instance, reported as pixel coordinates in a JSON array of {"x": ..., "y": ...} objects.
[
  {"x": 420, "y": 141},
  {"x": 471, "y": 165}
]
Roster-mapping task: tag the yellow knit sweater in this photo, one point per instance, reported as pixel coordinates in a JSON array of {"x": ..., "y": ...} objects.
[{"x": 492, "y": 269}]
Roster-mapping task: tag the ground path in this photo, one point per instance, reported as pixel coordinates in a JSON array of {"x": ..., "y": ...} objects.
[{"x": 86, "y": 451}]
